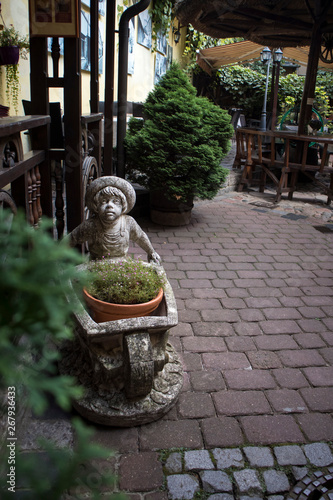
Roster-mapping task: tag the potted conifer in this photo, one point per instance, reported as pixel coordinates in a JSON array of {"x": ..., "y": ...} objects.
[{"x": 176, "y": 151}]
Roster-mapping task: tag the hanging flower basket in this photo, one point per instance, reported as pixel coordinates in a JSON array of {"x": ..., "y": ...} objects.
[{"x": 9, "y": 55}]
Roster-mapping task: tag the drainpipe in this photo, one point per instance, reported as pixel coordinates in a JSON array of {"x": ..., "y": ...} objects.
[{"x": 129, "y": 13}]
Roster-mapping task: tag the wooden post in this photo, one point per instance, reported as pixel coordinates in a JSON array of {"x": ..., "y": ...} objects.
[
  {"x": 310, "y": 80},
  {"x": 73, "y": 134}
]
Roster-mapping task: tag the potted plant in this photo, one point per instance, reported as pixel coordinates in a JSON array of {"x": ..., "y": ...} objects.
[
  {"x": 176, "y": 151},
  {"x": 12, "y": 46},
  {"x": 122, "y": 288}
]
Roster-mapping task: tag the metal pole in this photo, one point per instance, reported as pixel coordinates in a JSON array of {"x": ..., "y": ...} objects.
[
  {"x": 264, "y": 107},
  {"x": 122, "y": 80}
]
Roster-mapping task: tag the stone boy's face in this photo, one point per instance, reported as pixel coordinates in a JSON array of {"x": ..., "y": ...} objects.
[{"x": 109, "y": 207}]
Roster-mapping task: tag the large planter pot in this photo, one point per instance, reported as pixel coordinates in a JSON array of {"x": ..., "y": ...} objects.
[
  {"x": 105, "y": 311},
  {"x": 169, "y": 212},
  {"x": 9, "y": 55}
]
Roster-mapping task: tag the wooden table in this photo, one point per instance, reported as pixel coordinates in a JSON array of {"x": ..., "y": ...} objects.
[{"x": 256, "y": 148}]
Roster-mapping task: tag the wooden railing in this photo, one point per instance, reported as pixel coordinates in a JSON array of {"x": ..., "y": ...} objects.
[
  {"x": 25, "y": 179},
  {"x": 280, "y": 153}
]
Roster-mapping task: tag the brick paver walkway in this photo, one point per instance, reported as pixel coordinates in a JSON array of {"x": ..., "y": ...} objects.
[{"x": 255, "y": 301}]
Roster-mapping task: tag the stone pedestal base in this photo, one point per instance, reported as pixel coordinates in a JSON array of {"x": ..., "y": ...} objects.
[{"x": 109, "y": 405}]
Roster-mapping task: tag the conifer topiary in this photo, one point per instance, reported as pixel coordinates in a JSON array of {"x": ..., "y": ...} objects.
[{"x": 180, "y": 144}]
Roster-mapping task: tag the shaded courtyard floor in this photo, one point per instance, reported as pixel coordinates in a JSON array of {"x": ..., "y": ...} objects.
[{"x": 253, "y": 284}]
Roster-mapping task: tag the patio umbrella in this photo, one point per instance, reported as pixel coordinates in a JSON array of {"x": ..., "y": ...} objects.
[{"x": 275, "y": 23}]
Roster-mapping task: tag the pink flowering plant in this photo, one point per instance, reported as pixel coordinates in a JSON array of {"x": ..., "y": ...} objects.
[{"x": 126, "y": 281}]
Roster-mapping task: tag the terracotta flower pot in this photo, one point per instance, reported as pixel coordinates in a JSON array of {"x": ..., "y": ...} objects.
[
  {"x": 105, "y": 311},
  {"x": 9, "y": 55}
]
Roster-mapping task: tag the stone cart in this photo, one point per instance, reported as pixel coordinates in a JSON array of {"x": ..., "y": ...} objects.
[{"x": 130, "y": 373}]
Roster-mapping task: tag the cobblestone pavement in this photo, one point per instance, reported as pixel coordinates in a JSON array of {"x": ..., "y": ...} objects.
[{"x": 253, "y": 284}]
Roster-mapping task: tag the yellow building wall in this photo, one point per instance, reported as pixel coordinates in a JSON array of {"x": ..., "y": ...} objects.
[{"x": 140, "y": 83}]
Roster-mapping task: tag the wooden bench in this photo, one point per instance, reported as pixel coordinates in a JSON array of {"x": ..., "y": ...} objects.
[{"x": 251, "y": 154}]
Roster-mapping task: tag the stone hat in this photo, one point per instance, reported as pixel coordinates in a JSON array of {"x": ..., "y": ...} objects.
[{"x": 110, "y": 181}]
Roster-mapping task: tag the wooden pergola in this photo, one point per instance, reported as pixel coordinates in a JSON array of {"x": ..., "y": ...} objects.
[{"x": 275, "y": 23}]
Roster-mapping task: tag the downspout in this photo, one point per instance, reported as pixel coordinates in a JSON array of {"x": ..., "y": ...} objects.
[{"x": 129, "y": 13}]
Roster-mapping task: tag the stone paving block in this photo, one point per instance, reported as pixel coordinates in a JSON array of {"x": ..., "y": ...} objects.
[
  {"x": 240, "y": 344},
  {"x": 225, "y": 361},
  {"x": 318, "y": 398},
  {"x": 304, "y": 357},
  {"x": 319, "y": 454},
  {"x": 197, "y": 459},
  {"x": 228, "y": 458},
  {"x": 120, "y": 440},
  {"x": 224, "y": 431},
  {"x": 209, "y": 381},
  {"x": 299, "y": 472},
  {"x": 140, "y": 472},
  {"x": 241, "y": 403},
  {"x": 266, "y": 429},
  {"x": 202, "y": 304},
  {"x": 233, "y": 303},
  {"x": 249, "y": 379},
  {"x": 319, "y": 376},
  {"x": 328, "y": 337},
  {"x": 196, "y": 405},
  {"x": 279, "y": 327},
  {"x": 263, "y": 360},
  {"x": 216, "y": 481},
  {"x": 191, "y": 361},
  {"x": 182, "y": 487},
  {"x": 188, "y": 316},
  {"x": 276, "y": 342},
  {"x": 290, "y": 455},
  {"x": 157, "y": 495},
  {"x": 282, "y": 313},
  {"x": 276, "y": 481},
  {"x": 174, "y": 463},
  {"x": 251, "y": 315},
  {"x": 286, "y": 401},
  {"x": 221, "y": 496},
  {"x": 290, "y": 378},
  {"x": 227, "y": 315},
  {"x": 249, "y": 329},
  {"x": 259, "y": 456},
  {"x": 252, "y": 497},
  {"x": 34, "y": 430},
  {"x": 262, "y": 302},
  {"x": 247, "y": 481},
  {"x": 213, "y": 329},
  {"x": 208, "y": 293},
  {"x": 312, "y": 325},
  {"x": 309, "y": 340},
  {"x": 182, "y": 330},
  {"x": 170, "y": 434},
  {"x": 316, "y": 426},
  {"x": 204, "y": 344},
  {"x": 327, "y": 354}
]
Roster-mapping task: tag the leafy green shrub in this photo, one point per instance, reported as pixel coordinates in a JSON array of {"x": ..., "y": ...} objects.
[
  {"x": 180, "y": 144},
  {"x": 245, "y": 86}
]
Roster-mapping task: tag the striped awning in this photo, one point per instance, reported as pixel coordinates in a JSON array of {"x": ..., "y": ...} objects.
[{"x": 240, "y": 52}]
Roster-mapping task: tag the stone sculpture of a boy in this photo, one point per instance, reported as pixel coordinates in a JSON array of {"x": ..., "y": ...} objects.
[{"x": 108, "y": 230}]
